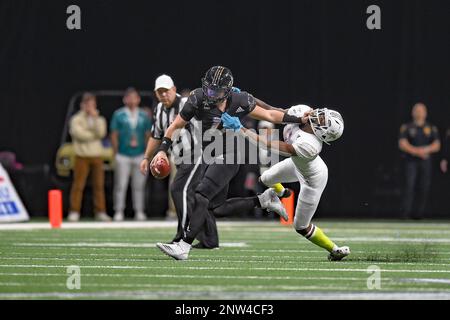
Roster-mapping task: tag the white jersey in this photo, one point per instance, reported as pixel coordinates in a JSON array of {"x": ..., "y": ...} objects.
[
  {"x": 306, "y": 145},
  {"x": 305, "y": 166}
]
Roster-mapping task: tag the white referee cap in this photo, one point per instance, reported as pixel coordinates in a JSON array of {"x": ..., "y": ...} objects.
[{"x": 164, "y": 81}]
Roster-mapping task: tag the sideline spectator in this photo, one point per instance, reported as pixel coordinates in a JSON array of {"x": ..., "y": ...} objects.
[
  {"x": 418, "y": 140},
  {"x": 87, "y": 129},
  {"x": 130, "y": 128}
]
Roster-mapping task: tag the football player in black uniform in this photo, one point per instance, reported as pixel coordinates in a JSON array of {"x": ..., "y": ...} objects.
[{"x": 207, "y": 104}]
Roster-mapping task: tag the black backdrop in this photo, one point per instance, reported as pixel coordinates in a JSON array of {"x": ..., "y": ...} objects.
[{"x": 285, "y": 52}]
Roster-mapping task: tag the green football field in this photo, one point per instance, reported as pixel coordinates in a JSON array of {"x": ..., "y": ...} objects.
[{"x": 257, "y": 260}]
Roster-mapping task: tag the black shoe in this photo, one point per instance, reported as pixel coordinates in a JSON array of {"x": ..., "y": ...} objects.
[{"x": 201, "y": 245}]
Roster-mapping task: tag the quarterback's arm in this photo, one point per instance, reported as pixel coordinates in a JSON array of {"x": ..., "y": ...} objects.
[
  {"x": 283, "y": 148},
  {"x": 266, "y": 106},
  {"x": 275, "y": 116},
  {"x": 178, "y": 124}
]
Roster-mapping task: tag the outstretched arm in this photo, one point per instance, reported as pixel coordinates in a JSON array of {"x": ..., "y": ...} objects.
[
  {"x": 234, "y": 123},
  {"x": 283, "y": 148},
  {"x": 275, "y": 116},
  {"x": 266, "y": 106}
]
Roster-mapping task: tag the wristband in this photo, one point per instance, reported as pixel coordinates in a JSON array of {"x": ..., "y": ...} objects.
[
  {"x": 165, "y": 145},
  {"x": 287, "y": 118}
]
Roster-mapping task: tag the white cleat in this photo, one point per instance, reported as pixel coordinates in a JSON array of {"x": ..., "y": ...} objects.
[
  {"x": 119, "y": 216},
  {"x": 177, "y": 250},
  {"x": 339, "y": 253},
  {"x": 73, "y": 216},
  {"x": 270, "y": 201}
]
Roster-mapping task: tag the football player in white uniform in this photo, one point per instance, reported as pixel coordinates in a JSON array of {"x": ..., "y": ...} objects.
[{"x": 302, "y": 143}]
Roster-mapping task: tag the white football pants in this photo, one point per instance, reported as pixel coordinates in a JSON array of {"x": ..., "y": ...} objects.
[
  {"x": 127, "y": 167},
  {"x": 311, "y": 187}
]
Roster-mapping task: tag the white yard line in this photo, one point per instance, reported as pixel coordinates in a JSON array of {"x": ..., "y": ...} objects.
[
  {"x": 123, "y": 225},
  {"x": 219, "y": 268},
  {"x": 265, "y": 287},
  {"x": 225, "y": 225},
  {"x": 427, "y": 280},
  {"x": 229, "y": 259},
  {"x": 314, "y": 253},
  {"x": 306, "y": 295},
  {"x": 111, "y": 244}
]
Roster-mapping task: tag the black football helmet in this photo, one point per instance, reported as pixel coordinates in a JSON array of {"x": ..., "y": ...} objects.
[{"x": 217, "y": 84}]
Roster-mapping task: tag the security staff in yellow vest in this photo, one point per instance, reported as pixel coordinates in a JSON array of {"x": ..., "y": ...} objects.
[{"x": 418, "y": 140}]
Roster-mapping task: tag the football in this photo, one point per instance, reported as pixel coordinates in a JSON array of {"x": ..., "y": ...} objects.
[{"x": 161, "y": 166}]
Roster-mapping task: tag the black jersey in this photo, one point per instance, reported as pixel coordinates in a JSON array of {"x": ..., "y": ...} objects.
[
  {"x": 418, "y": 135},
  {"x": 238, "y": 104}
]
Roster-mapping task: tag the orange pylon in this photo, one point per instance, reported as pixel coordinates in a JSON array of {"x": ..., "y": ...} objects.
[
  {"x": 289, "y": 206},
  {"x": 55, "y": 208}
]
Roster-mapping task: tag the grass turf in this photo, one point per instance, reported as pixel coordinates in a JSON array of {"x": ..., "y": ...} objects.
[{"x": 257, "y": 261}]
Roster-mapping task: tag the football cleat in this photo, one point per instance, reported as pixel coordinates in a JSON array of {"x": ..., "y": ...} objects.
[
  {"x": 339, "y": 253},
  {"x": 175, "y": 250},
  {"x": 270, "y": 201}
]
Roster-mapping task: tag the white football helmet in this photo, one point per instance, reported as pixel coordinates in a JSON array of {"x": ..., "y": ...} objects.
[{"x": 332, "y": 125}]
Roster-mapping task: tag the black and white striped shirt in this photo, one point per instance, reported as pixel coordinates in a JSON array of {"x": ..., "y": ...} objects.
[
  {"x": 162, "y": 119},
  {"x": 163, "y": 116}
]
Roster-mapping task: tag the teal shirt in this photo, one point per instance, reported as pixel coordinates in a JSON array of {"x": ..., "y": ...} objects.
[{"x": 121, "y": 123}]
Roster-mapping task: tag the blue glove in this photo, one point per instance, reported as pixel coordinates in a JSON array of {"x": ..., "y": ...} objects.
[
  {"x": 236, "y": 89},
  {"x": 230, "y": 122}
]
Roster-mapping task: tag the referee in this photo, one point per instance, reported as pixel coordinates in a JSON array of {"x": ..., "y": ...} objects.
[{"x": 187, "y": 176}]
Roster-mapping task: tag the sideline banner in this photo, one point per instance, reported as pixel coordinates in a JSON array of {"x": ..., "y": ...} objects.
[{"x": 11, "y": 207}]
